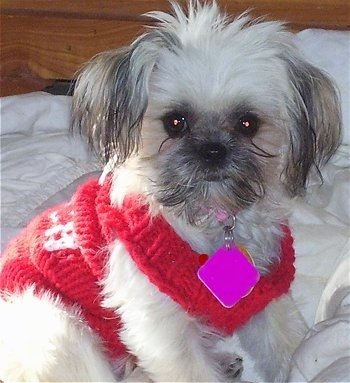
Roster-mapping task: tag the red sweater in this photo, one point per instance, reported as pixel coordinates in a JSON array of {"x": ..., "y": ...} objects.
[{"x": 64, "y": 251}]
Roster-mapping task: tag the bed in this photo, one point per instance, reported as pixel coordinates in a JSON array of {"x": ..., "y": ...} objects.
[{"x": 45, "y": 42}]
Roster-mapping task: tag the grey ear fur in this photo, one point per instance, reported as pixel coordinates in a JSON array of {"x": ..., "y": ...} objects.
[
  {"x": 111, "y": 95},
  {"x": 316, "y": 116}
]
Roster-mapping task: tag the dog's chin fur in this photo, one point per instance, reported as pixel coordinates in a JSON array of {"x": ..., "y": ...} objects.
[{"x": 257, "y": 121}]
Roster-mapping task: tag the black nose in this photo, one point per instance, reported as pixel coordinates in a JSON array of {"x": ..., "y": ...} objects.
[{"x": 213, "y": 152}]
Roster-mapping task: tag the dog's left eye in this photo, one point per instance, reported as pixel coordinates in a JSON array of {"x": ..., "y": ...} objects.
[
  {"x": 175, "y": 125},
  {"x": 248, "y": 124}
]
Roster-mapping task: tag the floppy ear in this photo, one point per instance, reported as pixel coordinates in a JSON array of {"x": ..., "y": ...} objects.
[
  {"x": 314, "y": 112},
  {"x": 111, "y": 96}
]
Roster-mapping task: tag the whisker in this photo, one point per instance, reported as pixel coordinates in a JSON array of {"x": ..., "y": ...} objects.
[
  {"x": 261, "y": 152},
  {"x": 163, "y": 142}
]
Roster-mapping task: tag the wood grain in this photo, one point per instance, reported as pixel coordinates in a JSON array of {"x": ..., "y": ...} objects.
[
  {"x": 330, "y": 14},
  {"x": 50, "y": 39},
  {"x": 54, "y": 47}
]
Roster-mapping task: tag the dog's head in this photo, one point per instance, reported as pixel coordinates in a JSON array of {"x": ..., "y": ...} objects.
[{"x": 209, "y": 112}]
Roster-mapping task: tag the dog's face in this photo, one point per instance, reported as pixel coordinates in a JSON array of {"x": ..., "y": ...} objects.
[{"x": 210, "y": 115}]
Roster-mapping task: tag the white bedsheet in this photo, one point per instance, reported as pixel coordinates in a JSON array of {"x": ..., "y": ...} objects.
[
  {"x": 39, "y": 158},
  {"x": 41, "y": 165}
]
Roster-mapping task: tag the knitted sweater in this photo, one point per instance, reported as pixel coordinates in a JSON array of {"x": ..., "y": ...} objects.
[{"x": 64, "y": 251}]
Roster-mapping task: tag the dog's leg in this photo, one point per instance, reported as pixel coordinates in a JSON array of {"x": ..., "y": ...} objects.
[
  {"x": 169, "y": 345},
  {"x": 42, "y": 341},
  {"x": 272, "y": 337}
]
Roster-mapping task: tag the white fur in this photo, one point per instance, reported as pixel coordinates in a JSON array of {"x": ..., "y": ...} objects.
[
  {"x": 214, "y": 67},
  {"x": 152, "y": 325},
  {"x": 40, "y": 340}
]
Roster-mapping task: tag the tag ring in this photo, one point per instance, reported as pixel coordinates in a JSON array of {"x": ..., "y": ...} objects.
[{"x": 228, "y": 233}]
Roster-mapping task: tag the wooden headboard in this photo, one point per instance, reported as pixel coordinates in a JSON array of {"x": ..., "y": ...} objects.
[{"x": 46, "y": 40}]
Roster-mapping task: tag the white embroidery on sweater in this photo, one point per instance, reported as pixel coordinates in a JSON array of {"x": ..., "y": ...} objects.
[
  {"x": 54, "y": 217},
  {"x": 60, "y": 236}
]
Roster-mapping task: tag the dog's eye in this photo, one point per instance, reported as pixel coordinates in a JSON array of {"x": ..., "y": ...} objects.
[
  {"x": 175, "y": 125},
  {"x": 248, "y": 124}
]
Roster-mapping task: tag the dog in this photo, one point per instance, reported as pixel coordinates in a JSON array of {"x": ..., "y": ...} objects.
[{"x": 208, "y": 126}]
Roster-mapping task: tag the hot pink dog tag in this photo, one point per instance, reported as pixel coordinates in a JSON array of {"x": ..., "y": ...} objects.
[{"x": 229, "y": 275}]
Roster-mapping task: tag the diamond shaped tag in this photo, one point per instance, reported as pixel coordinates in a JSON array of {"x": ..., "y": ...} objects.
[{"x": 229, "y": 275}]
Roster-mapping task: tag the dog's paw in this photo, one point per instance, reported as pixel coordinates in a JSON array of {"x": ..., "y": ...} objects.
[
  {"x": 232, "y": 366},
  {"x": 137, "y": 375}
]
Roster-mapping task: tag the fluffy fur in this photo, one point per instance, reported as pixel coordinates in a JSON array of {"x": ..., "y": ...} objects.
[{"x": 208, "y": 118}]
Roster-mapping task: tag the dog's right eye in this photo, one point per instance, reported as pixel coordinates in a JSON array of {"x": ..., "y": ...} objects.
[{"x": 175, "y": 125}]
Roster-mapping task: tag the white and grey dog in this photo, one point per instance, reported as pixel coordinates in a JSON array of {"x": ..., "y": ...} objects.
[{"x": 210, "y": 120}]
